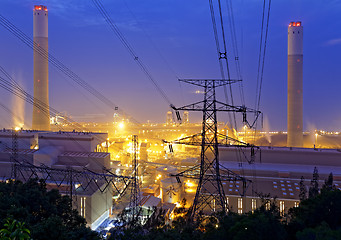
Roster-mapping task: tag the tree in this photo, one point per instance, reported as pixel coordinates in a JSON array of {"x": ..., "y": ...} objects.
[
  {"x": 317, "y": 217},
  {"x": 14, "y": 230},
  {"x": 182, "y": 208},
  {"x": 322, "y": 232},
  {"x": 157, "y": 219},
  {"x": 47, "y": 214},
  {"x": 183, "y": 203},
  {"x": 328, "y": 184},
  {"x": 325, "y": 208},
  {"x": 260, "y": 225},
  {"x": 314, "y": 185},
  {"x": 303, "y": 190}
]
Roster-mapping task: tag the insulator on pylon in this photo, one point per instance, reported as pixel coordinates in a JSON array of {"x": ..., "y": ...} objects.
[
  {"x": 253, "y": 155},
  {"x": 170, "y": 148},
  {"x": 178, "y": 116},
  {"x": 178, "y": 179},
  {"x": 244, "y": 118},
  {"x": 260, "y": 155}
]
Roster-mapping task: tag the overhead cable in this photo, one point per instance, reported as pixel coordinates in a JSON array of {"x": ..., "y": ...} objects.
[
  {"x": 60, "y": 66},
  {"x": 129, "y": 48}
]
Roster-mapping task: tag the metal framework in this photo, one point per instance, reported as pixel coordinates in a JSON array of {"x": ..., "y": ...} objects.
[
  {"x": 210, "y": 194},
  {"x": 14, "y": 154},
  {"x": 134, "y": 204},
  {"x": 73, "y": 181}
]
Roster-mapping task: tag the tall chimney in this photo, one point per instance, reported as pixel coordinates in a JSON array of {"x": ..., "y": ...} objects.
[
  {"x": 295, "y": 85},
  {"x": 41, "y": 112}
]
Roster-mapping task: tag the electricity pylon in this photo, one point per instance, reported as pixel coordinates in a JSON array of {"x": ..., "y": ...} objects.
[
  {"x": 210, "y": 193},
  {"x": 134, "y": 204}
]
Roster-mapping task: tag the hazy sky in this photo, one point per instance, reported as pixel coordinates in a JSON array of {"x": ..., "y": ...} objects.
[{"x": 175, "y": 39}]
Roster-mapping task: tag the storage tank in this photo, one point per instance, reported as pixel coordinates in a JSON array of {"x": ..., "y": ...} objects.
[{"x": 171, "y": 190}]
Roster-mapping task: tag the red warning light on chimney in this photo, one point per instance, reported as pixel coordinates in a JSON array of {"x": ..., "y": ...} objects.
[
  {"x": 40, "y": 8},
  {"x": 295, "y": 24}
]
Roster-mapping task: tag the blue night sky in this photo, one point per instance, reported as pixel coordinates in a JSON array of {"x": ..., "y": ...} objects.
[{"x": 175, "y": 39}]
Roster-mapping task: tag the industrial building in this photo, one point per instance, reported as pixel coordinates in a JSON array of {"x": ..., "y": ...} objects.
[
  {"x": 62, "y": 150},
  {"x": 277, "y": 172}
]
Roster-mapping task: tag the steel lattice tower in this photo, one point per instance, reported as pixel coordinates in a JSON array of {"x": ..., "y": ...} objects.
[
  {"x": 135, "y": 188},
  {"x": 209, "y": 181},
  {"x": 210, "y": 194},
  {"x": 14, "y": 155}
]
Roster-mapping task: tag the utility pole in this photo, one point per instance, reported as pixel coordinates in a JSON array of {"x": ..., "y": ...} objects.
[
  {"x": 134, "y": 204},
  {"x": 210, "y": 194}
]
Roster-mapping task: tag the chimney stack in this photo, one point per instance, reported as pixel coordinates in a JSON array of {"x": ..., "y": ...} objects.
[
  {"x": 41, "y": 112},
  {"x": 295, "y": 85}
]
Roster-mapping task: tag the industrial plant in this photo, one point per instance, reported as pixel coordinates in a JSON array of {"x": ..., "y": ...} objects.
[{"x": 203, "y": 166}]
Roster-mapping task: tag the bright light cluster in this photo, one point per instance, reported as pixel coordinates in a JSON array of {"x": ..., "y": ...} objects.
[
  {"x": 295, "y": 24},
  {"x": 40, "y": 8}
]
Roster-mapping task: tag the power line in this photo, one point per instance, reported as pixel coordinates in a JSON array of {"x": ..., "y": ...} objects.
[
  {"x": 210, "y": 192},
  {"x": 19, "y": 92},
  {"x": 60, "y": 66},
  {"x": 261, "y": 59},
  {"x": 262, "y": 51},
  {"x": 151, "y": 40},
  {"x": 260, "y": 54},
  {"x": 222, "y": 55},
  {"x": 235, "y": 48},
  {"x": 129, "y": 48}
]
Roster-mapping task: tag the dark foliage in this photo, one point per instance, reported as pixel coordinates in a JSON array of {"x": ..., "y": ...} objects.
[
  {"x": 303, "y": 190},
  {"x": 328, "y": 184},
  {"x": 47, "y": 214},
  {"x": 314, "y": 185},
  {"x": 317, "y": 217}
]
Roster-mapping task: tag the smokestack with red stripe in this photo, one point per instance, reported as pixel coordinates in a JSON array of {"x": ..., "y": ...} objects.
[
  {"x": 295, "y": 85},
  {"x": 41, "y": 113}
]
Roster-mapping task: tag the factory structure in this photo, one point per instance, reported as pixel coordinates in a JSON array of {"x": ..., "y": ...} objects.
[
  {"x": 277, "y": 171},
  {"x": 274, "y": 170},
  {"x": 60, "y": 151}
]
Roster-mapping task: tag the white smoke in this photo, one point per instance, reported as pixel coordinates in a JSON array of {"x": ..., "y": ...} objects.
[
  {"x": 18, "y": 108},
  {"x": 312, "y": 130},
  {"x": 266, "y": 129}
]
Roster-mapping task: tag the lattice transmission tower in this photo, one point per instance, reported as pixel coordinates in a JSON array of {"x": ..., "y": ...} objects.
[
  {"x": 135, "y": 201},
  {"x": 210, "y": 196},
  {"x": 14, "y": 153}
]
